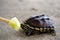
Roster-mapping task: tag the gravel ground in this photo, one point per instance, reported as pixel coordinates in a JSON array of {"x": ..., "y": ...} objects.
[{"x": 22, "y": 9}]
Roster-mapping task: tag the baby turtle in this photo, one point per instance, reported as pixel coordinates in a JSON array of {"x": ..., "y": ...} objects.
[{"x": 38, "y": 24}]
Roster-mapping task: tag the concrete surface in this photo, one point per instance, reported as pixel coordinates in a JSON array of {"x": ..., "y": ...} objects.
[{"x": 22, "y": 9}]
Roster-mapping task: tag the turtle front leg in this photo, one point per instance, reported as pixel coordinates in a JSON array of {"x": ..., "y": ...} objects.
[{"x": 29, "y": 33}]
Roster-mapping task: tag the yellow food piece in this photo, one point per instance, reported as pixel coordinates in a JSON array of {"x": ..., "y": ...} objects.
[{"x": 14, "y": 24}]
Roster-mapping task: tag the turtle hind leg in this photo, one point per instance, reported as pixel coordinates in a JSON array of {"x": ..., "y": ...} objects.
[
  {"x": 29, "y": 33},
  {"x": 53, "y": 32}
]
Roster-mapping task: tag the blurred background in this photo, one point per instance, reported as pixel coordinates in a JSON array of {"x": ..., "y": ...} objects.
[{"x": 23, "y": 9}]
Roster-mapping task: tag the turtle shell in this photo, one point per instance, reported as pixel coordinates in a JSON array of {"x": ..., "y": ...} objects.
[{"x": 41, "y": 23}]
